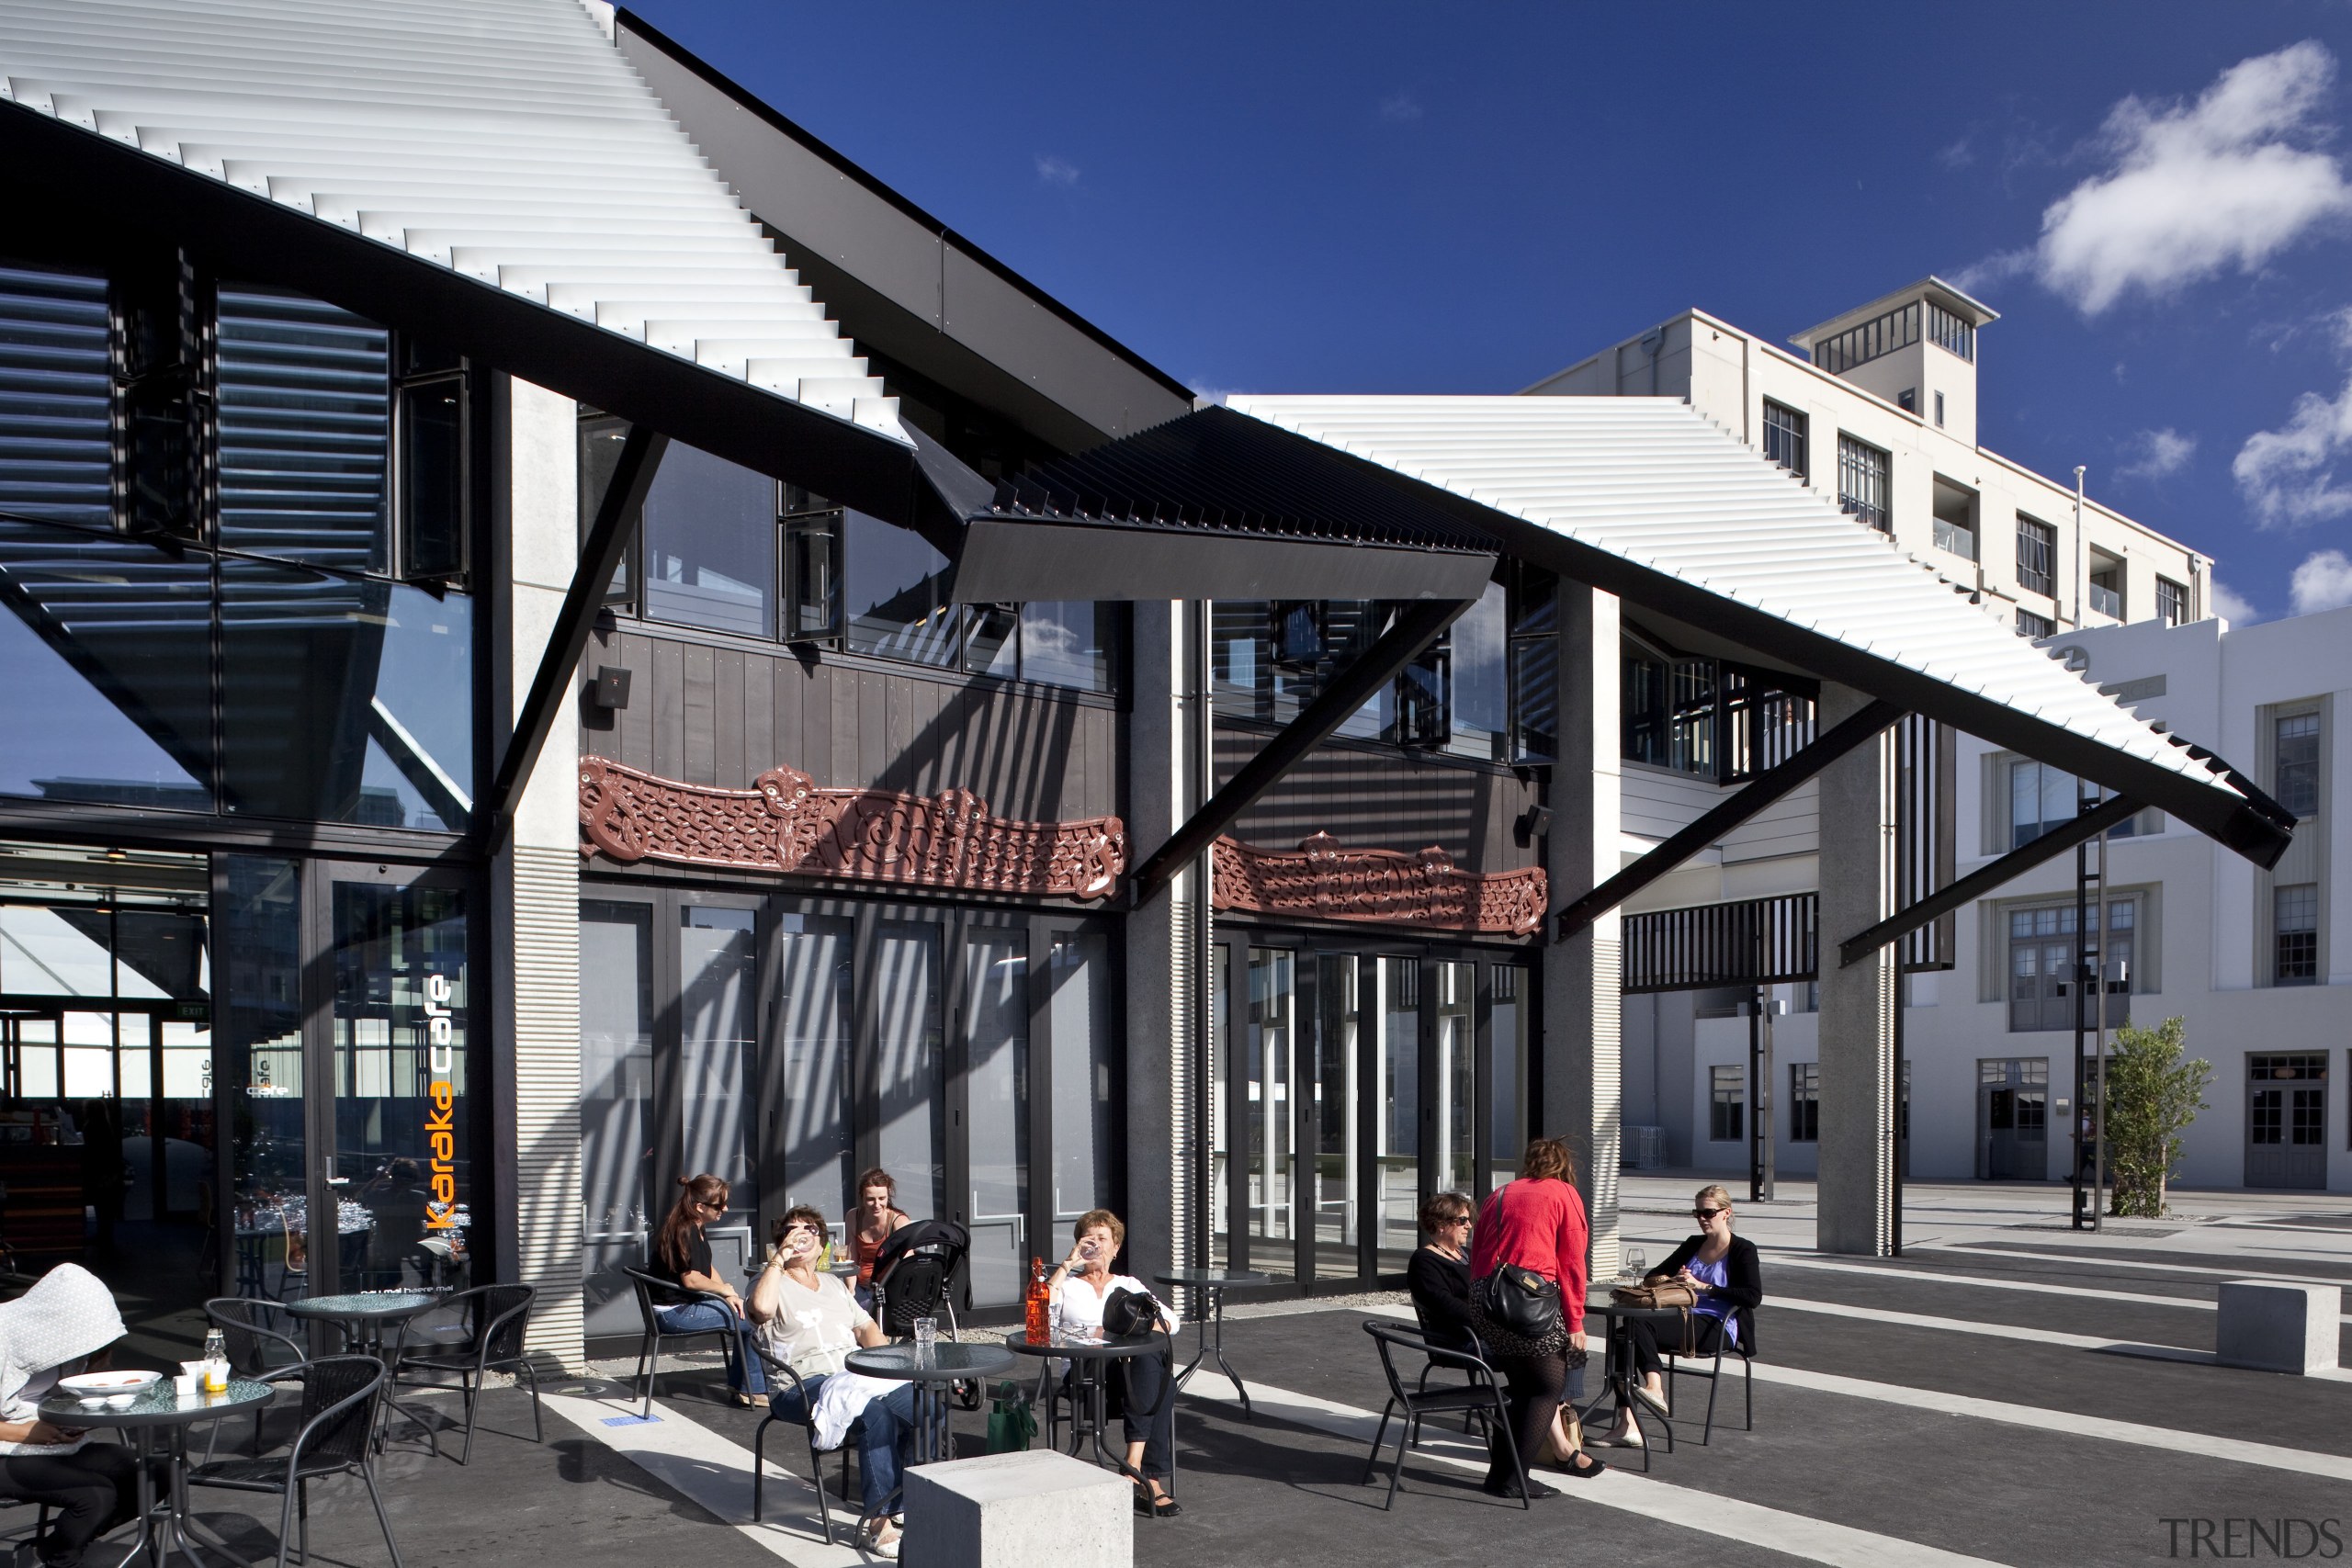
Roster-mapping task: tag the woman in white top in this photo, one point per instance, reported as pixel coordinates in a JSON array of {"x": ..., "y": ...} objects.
[
  {"x": 807, "y": 1320},
  {"x": 55, "y": 1329},
  {"x": 1081, "y": 1287}
]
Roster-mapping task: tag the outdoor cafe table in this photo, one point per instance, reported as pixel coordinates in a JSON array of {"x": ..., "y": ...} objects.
[
  {"x": 157, "y": 1423},
  {"x": 1213, "y": 1283},
  {"x": 364, "y": 1318},
  {"x": 1618, "y": 1362},
  {"x": 1090, "y": 1356},
  {"x": 933, "y": 1370}
]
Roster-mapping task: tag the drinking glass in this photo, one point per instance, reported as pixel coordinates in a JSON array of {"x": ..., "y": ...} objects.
[
  {"x": 926, "y": 1333},
  {"x": 1637, "y": 1264}
]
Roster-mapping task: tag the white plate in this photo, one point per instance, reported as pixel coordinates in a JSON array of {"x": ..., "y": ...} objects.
[{"x": 94, "y": 1389}]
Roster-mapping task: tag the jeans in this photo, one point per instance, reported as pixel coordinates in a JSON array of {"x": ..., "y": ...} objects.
[
  {"x": 744, "y": 1373},
  {"x": 884, "y": 1433}
]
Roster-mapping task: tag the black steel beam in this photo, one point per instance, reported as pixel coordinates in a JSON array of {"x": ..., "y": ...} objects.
[
  {"x": 1762, "y": 791},
  {"x": 1417, "y": 626},
  {"x": 2113, "y": 812},
  {"x": 600, "y": 557}
]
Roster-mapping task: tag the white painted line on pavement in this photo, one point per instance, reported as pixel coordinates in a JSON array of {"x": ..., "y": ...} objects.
[
  {"x": 1707, "y": 1510},
  {"x": 2250, "y": 1272},
  {"x": 715, "y": 1473},
  {"x": 1994, "y": 1282}
]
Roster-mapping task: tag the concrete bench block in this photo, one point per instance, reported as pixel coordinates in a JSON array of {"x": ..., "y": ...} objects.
[
  {"x": 2277, "y": 1327},
  {"x": 1039, "y": 1509}
]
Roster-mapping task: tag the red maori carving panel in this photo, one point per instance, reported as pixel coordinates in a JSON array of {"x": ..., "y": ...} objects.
[
  {"x": 1328, "y": 882},
  {"x": 787, "y": 825}
]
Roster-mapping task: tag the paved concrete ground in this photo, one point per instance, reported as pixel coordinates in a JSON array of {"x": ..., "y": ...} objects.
[{"x": 1958, "y": 1405}]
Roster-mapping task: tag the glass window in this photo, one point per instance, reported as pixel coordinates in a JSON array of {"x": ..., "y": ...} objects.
[
  {"x": 2037, "y": 555},
  {"x": 812, "y": 1012},
  {"x": 350, "y": 700},
  {"x": 1785, "y": 438},
  {"x": 709, "y": 544},
  {"x": 600, "y": 440},
  {"x": 2042, "y": 963},
  {"x": 261, "y": 1054},
  {"x": 1804, "y": 1102},
  {"x": 304, "y": 398},
  {"x": 895, "y": 592},
  {"x": 718, "y": 1046},
  {"x": 433, "y": 478},
  {"x": 996, "y": 981},
  {"x": 812, "y": 576},
  {"x": 2041, "y": 799},
  {"x": 1457, "y": 1088},
  {"x": 2296, "y": 772},
  {"x": 1479, "y": 716},
  {"x": 1271, "y": 1046},
  {"x": 910, "y": 1075},
  {"x": 2296, "y": 909},
  {"x": 2032, "y": 625},
  {"x": 1534, "y": 665},
  {"x": 1507, "y": 1074},
  {"x": 56, "y": 397},
  {"x": 1067, "y": 643},
  {"x": 616, "y": 1181},
  {"x": 107, "y": 646},
  {"x": 1079, "y": 1012},
  {"x": 2172, "y": 601},
  {"x": 1397, "y": 1109},
  {"x": 1726, "y": 1104},
  {"x": 1862, "y": 482}
]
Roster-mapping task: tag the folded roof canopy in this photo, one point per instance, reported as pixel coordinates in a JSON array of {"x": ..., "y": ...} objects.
[
  {"x": 495, "y": 178},
  {"x": 1638, "y": 496}
]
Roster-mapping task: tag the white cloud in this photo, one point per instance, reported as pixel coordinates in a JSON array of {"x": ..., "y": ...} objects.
[
  {"x": 2157, "y": 454},
  {"x": 2233, "y": 606},
  {"x": 1056, "y": 171},
  {"x": 2322, "y": 582},
  {"x": 1400, "y": 107},
  {"x": 2195, "y": 189},
  {"x": 2288, "y": 475}
]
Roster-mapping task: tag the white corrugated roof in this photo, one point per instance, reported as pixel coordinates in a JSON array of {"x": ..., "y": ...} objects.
[
  {"x": 1648, "y": 481},
  {"x": 507, "y": 140}
]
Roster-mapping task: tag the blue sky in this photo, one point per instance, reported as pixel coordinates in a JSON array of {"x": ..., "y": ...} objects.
[{"x": 1368, "y": 198}]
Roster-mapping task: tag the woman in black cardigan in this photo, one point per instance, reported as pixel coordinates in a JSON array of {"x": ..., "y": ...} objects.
[
  {"x": 1438, "y": 1274},
  {"x": 1722, "y": 1268}
]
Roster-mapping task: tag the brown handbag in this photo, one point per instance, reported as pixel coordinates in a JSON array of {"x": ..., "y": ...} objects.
[{"x": 1660, "y": 1296}]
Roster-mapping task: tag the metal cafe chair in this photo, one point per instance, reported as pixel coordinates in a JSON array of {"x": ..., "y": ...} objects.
[
  {"x": 789, "y": 1381},
  {"x": 496, "y": 1317},
  {"x": 649, "y": 1353},
  {"x": 339, "y": 1398},
  {"x": 256, "y": 1350},
  {"x": 1744, "y": 1321},
  {"x": 1482, "y": 1393}
]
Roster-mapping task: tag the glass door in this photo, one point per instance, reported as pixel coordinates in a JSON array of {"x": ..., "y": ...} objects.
[
  {"x": 1397, "y": 1096},
  {"x": 1335, "y": 1119},
  {"x": 1268, "y": 1066},
  {"x": 996, "y": 1086}
]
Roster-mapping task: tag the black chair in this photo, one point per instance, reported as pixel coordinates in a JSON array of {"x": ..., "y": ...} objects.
[
  {"x": 1471, "y": 1419},
  {"x": 256, "y": 1350},
  {"x": 1482, "y": 1393},
  {"x": 496, "y": 1318},
  {"x": 648, "y": 1351},
  {"x": 1743, "y": 1321},
  {"x": 914, "y": 1275},
  {"x": 783, "y": 1379},
  {"x": 340, "y": 1395}
]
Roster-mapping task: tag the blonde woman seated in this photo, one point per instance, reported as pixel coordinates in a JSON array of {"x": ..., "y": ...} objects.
[
  {"x": 1722, "y": 1268},
  {"x": 1081, "y": 1287},
  {"x": 809, "y": 1321}
]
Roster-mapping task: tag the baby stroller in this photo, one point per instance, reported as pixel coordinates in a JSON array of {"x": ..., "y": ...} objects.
[{"x": 914, "y": 1276}]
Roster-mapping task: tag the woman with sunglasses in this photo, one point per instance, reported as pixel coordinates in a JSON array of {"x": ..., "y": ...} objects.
[
  {"x": 1722, "y": 1268},
  {"x": 682, "y": 1253},
  {"x": 1438, "y": 1274}
]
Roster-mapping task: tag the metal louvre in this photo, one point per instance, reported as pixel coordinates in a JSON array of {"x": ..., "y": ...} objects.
[
  {"x": 56, "y": 392},
  {"x": 305, "y": 430},
  {"x": 1644, "y": 498},
  {"x": 508, "y": 142},
  {"x": 1757, "y": 941}
]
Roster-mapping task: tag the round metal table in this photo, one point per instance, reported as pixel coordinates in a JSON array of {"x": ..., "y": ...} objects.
[
  {"x": 1213, "y": 1283},
  {"x": 1090, "y": 1356},
  {"x": 364, "y": 1317},
  {"x": 932, "y": 1371},
  {"x": 1620, "y": 1372},
  {"x": 157, "y": 1422}
]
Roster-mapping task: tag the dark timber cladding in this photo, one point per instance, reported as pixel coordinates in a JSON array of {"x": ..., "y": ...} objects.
[
  {"x": 1379, "y": 799},
  {"x": 707, "y": 713}
]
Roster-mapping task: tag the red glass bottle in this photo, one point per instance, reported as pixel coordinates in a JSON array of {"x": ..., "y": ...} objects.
[{"x": 1039, "y": 1328}]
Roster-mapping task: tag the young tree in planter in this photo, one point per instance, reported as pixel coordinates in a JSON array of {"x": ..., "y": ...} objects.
[{"x": 2151, "y": 1097}]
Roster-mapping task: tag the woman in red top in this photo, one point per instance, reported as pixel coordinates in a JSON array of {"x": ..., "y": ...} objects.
[
  {"x": 1536, "y": 1223},
  {"x": 876, "y": 1215}
]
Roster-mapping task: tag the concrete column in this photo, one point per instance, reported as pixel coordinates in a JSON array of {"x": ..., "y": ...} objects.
[
  {"x": 1858, "y": 1001},
  {"x": 535, "y": 886},
  {"x": 1158, "y": 951},
  {"x": 1583, "y": 1101}
]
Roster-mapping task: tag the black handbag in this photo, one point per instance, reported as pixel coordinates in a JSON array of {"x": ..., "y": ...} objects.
[
  {"x": 1126, "y": 1312},
  {"x": 1521, "y": 1302}
]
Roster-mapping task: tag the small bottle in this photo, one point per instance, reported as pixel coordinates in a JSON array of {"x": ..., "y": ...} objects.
[
  {"x": 1036, "y": 1304},
  {"x": 216, "y": 1363}
]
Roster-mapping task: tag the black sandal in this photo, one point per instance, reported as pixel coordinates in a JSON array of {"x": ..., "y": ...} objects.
[{"x": 1151, "y": 1507}]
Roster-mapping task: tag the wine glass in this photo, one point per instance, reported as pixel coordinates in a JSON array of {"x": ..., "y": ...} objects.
[{"x": 1636, "y": 1265}]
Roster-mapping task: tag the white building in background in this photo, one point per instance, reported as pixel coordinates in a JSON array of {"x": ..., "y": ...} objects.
[{"x": 1883, "y": 421}]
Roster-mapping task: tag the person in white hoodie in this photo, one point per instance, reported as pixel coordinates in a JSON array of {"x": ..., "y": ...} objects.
[
  {"x": 1081, "y": 1287},
  {"x": 809, "y": 1321},
  {"x": 56, "y": 1330}
]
